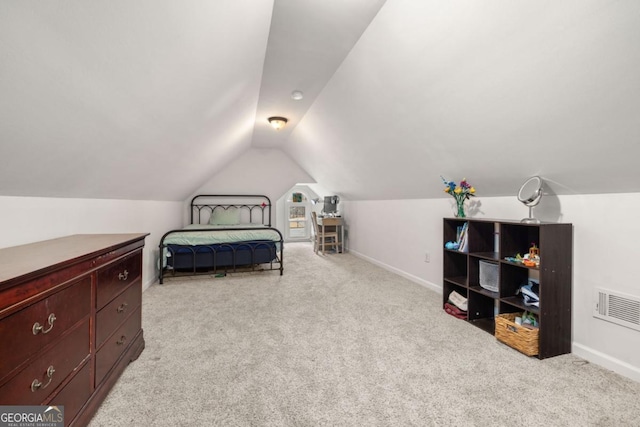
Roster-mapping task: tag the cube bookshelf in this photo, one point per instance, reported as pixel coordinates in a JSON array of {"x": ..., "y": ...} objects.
[{"x": 494, "y": 240}]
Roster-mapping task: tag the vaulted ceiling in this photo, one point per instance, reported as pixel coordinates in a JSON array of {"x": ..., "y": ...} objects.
[{"x": 147, "y": 99}]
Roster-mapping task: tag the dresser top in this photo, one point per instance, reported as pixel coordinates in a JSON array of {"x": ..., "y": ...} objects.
[{"x": 20, "y": 260}]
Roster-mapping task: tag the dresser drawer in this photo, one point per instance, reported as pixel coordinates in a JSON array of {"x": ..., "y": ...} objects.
[
  {"x": 51, "y": 296},
  {"x": 114, "y": 278},
  {"x": 116, "y": 344},
  {"x": 21, "y": 335},
  {"x": 74, "y": 395},
  {"x": 35, "y": 383},
  {"x": 111, "y": 316}
]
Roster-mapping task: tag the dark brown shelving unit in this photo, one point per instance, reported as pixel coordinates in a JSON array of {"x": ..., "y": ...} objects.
[{"x": 493, "y": 240}]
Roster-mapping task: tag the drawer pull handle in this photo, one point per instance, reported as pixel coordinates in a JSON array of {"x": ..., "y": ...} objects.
[
  {"x": 37, "y": 327},
  {"x": 121, "y": 340},
  {"x": 122, "y": 307},
  {"x": 39, "y": 385},
  {"x": 123, "y": 276}
]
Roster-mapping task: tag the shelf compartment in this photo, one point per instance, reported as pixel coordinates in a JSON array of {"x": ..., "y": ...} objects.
[
  {"x": 511, "y": 278},
  {"x": 520, "y": 265},
  {"x": 474, "y": 273},
  {"x": 481, "y": 311},
  {"x": 457, "y": 280},
  {"x": 455, "y": 264},
  {"x": 517, "y": 239},
  {"x": 482, "y": 237},
  {"x": 480, "y": 290},
  {"x": 491, "y": 256},
  {"x": 451, "y": 228},
  {"x": 514, "y": 304},
  {"x": 517, "y": 336},
  {"x": 486, "y": 324},
  {"x": 448, "y": 287}
]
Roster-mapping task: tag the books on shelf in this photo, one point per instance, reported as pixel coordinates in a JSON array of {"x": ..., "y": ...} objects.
[{"x": 463, "y": 238}]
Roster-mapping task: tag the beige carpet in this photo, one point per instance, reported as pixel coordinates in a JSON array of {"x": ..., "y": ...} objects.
[{"x": 338, "y": 341}]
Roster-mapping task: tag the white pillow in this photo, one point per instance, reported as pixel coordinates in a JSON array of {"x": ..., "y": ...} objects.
[{"x": 221, "y": 216}]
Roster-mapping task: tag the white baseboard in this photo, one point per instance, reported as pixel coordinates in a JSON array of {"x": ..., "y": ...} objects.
[
  {"x": 606, "y": 361},
  {"x": 146, "y": 285},
  {"x": 415, "y": 279},
  {"x": 587, "y": 353}
]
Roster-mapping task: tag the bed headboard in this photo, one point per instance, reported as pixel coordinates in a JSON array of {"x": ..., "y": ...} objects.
[{"x": 254, "y": 209}]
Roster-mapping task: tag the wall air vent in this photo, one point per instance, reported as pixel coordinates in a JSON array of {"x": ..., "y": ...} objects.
[{"x": 617, "y": 308}]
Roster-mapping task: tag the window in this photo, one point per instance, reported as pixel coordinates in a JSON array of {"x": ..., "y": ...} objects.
[{"x": 298, "y": 227}]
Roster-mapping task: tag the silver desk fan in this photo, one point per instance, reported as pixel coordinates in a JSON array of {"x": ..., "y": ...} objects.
[{"x": 530, "y": 194}]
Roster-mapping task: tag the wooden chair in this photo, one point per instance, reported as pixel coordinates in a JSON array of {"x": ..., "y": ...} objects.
[{"x": 320, "y": 239}]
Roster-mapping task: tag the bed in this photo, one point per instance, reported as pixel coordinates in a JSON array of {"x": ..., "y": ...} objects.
[{"x": 227, "y": 233}]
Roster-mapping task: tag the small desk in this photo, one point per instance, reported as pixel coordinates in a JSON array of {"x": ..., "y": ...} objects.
[{"x": 333, "y": 222}]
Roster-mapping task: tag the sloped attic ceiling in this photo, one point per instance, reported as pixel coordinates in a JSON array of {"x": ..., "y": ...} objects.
[
  {"x": 134, "y": 99},
  {"x": 145, "y": 99},
  {"x": 494, "y": 91}
]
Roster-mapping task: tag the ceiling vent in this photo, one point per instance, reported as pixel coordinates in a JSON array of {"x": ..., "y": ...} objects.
[{"x": 617, "y": 308}]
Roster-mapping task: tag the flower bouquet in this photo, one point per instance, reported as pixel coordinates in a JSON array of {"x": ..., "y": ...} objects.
[{"x": 460, "y": 192}]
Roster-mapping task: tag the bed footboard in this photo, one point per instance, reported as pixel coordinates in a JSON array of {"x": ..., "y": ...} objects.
[{"x": 243, "y": 256}]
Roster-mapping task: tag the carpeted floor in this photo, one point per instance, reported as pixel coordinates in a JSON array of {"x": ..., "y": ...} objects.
[{"x": 339, "y": 341}]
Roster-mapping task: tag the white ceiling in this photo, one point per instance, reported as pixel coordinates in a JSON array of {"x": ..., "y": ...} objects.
[
  {"x": 308, "y": 40},
  {"x": 148, "y": 99},
  {"x": 494, "y": 91},
  {"x": 136, "y": 99}
]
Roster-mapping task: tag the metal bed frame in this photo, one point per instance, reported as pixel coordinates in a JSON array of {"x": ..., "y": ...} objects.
[{"x": 246, "y": 256}]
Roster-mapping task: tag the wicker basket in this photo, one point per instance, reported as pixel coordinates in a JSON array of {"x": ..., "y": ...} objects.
[{"x": 523, "y": 339}]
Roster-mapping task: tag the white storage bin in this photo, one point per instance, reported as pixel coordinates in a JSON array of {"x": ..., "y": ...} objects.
[{"x": 489, "y": 276}]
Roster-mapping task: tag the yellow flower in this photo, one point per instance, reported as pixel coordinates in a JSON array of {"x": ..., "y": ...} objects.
[
  {"x": 458, "y": 190},
  {"x": 472, "y": 190},
  {"x": 446, "y": 189}
]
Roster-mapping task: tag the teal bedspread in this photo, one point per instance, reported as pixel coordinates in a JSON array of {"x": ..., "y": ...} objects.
[{"x": 221, "y": 235}]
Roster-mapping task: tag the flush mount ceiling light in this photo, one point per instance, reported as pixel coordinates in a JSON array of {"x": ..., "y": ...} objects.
[
  {"x": 277, "y": 122},
  {"x": 297, "y": 95}
]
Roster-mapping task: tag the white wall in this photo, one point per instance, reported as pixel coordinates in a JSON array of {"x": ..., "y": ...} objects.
[
  {"x": 397, "y": 234},
  {"x": 31, "y": 219},
  {"x": 258, "y": 171}
]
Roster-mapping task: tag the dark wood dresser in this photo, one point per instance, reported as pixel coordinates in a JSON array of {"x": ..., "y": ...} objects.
[{"x": 70, "y": 320}]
